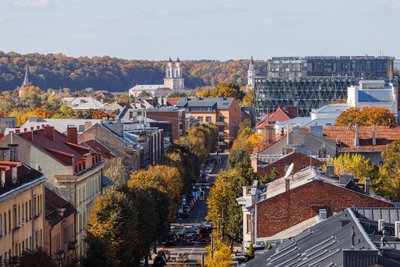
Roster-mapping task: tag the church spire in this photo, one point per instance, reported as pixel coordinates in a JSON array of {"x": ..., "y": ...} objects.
[{"x": 26, "y": 82}]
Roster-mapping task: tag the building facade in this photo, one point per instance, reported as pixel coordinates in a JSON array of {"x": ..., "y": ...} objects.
[
  {"x": 174, "y": 75},
  {"x": 70, "y": 169},
  {"x": 310, "y": 82},
  {"x": 225, "y": 113},
  {"x": 22, "y": 217}
]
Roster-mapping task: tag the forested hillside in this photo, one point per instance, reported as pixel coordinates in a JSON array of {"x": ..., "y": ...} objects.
[{"x": 113, "y": 74}]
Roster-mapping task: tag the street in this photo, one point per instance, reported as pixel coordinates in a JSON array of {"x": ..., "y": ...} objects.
[{"x": 196, "y": 217}]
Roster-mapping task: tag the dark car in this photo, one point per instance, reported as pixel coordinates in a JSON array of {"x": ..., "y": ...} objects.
[
  {"x": 165, "y": 254},
  {"x": 241, "y": 257},
  {"x": 159, "y": 261},
  {"x": 172, "y": 240}
]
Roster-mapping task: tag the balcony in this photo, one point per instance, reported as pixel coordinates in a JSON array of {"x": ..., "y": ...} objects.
[
  {"x": 223, "y": 134},
  {"x": 220, "y": 123}
]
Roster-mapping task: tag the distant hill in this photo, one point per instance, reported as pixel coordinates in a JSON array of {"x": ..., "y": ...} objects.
[{"x": 113, "y": 74}]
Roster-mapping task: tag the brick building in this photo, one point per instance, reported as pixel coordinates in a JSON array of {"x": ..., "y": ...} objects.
[
  {"x": 225, "y": 113},
  {"x": 299, "y": 160},
  {"x": 287, "y": 202},
  {"x": 177, "y": 117},
  {"x": 369, "y": 141}
]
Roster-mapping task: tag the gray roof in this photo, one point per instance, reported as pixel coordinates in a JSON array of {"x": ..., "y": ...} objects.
[
  {"x": 349, "y": 238},
  {"x": 324, "y": 244},
  {"x": 219, "y": 102},
  {"x": 332, "y": 108},
  {"x": 305, "y": 142}
]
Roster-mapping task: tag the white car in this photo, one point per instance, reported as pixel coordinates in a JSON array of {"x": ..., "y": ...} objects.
[{"x": 208, "y": 170}]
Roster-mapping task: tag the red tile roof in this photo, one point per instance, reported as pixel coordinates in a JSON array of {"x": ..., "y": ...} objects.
[
  {"x": 384, "y": 135},
  {"x": 173, "y": 100},
  {"x": 58, "y": 147},
  {"x": 278, "y": 115}
]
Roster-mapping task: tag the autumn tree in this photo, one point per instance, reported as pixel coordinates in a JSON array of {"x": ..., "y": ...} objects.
[
  {"x": 367, "y": 116},
  {"x": 248, "y": 99},
  {"x": 230, "y": 89},
  {"x": 355, "y": 164},
  {"x": 388, "y": 182},
  {"x": 222, "y": 255}
]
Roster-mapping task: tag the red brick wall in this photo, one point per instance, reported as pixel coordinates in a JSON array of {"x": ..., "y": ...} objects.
[
  {"x": 280, "y": 166},
  {"x": 299, "y": 204}
]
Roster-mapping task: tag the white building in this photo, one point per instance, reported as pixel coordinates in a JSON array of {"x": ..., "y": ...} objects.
[
  {"x": 173, "y": 82},
  {"x": 174, "y": 75},
  {"x": 373, "y": 93},
  {"x": 251, "y": 75},
  {"x": 83, "y": 103}
]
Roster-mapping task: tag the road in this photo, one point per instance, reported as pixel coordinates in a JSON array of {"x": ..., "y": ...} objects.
[{"x": 198, "y": 216}]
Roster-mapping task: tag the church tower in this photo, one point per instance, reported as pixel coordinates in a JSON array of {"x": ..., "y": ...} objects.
[
  {"x": 174, "y": 76},
  {"x": 251, "y": 75},
  {"x": 26, "y": 83}
]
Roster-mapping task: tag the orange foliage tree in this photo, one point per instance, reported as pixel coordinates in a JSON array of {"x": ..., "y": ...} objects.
[{"x": 367, "y": 116}]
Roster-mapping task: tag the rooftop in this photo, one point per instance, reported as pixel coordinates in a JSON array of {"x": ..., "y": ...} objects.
[
  {"x": 56, "y": 208},
  {"x": 83, "y": 103},
  {"x": 337, "y": 241},
  {"x": 26, "y": 178},
  {"x": 218, "y": 103},
  {"x": 279, "y": 115}
]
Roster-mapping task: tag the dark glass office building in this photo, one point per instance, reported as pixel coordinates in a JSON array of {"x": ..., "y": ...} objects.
[{"x": 311, "y": 82}]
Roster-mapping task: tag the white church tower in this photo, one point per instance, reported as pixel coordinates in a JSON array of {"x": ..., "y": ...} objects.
[
  {"x": 174, "y": 76},
  {"x": 251, "y": 75}
]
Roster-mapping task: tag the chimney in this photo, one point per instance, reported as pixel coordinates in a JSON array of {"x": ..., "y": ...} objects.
[
  {"x": 3, "y": 178},
  {"x": 72, "y": 134},
  {"x": 29, "y": 135},
  {"x": 14, "y": 174},
  {"x": 4, "y": 153},
  {"x": 287, "y": 184},
  {"x": 356, "y": 137},
  {"x": 270, "y": 134},
  {"x": 374, "y": 135},
  {"x": 367, "y": 185},
  {"x": 330, "y": 170},
  {"x": 49, "y": 132},
  {"x": 13, "y": 152}
]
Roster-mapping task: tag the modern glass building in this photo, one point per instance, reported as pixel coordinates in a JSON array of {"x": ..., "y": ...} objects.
[{"x": 311, "y": 82}]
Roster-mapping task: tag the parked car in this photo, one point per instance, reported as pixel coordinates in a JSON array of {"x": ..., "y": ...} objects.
[
  {"x": 179, "y": 230},
  {"x": 159, "y": 261},
  {"x": 172, "y": 240},
  {"x": 259, "y": 246},
  {"x": 182, "y": 257},
  {"x": 208, "y": 170},
  {"x": 241, "y": 257},
  {"x": 191, "y": 235},
  {"x": 165, "y": 254}
]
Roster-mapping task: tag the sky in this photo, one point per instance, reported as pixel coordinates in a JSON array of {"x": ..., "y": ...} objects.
[{"x": 202, "y": 29}]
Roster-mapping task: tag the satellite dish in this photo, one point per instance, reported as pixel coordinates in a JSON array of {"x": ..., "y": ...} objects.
[{"x": 289, "y": 171}]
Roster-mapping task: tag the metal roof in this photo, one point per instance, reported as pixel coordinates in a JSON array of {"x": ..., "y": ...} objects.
[{"x": 379, "y": 95}]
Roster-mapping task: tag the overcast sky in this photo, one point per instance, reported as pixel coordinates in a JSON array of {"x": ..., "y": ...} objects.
[{"x": 201, "y": 29}]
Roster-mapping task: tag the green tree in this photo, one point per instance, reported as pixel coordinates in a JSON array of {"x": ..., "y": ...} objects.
[{"x": 388, "y": 182}]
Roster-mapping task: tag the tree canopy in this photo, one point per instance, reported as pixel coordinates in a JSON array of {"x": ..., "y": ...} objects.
[{"x": 367, "y": 116}]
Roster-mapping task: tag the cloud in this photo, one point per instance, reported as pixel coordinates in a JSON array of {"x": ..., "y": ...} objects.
[{"x": 32, "y": 3}]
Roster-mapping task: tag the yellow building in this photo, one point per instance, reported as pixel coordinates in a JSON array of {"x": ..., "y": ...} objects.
[
  {"x": 225, "y": 113},
  {"x": 22, "y": 214}
]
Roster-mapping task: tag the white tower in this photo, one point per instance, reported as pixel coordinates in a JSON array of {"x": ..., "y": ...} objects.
[
  {"x": 251, "y": 75},
  {"x": 174, "y": 76}
]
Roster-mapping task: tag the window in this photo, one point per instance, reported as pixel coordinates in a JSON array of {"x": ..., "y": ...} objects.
[
  {"x": 221, "y": 128},
  {"x": 221, "y": 119},
  {"x": 200, "y": 118},
  {"x": 248, "y": 224},
  {"x": 1, "y": 227},
  {"x": 208, "y": 119},
  {"x": 5, "y": 222},
  {"x": 30, "y": 209}
]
